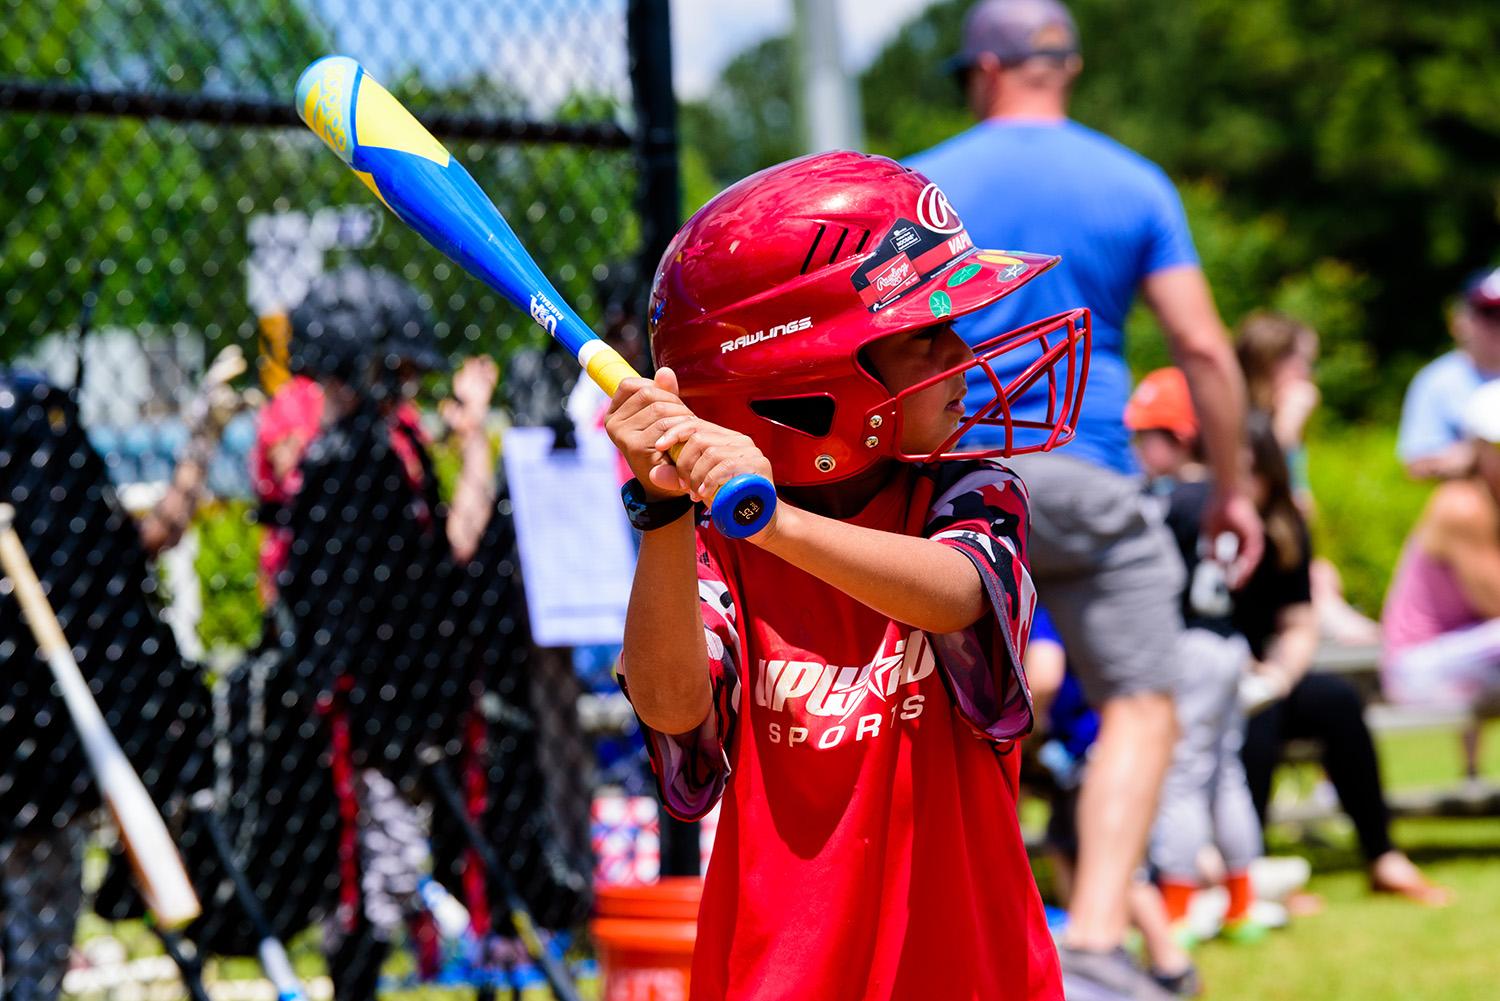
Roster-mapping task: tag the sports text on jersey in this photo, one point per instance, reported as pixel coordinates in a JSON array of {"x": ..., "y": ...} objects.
[{"x": 828, "y": 705}]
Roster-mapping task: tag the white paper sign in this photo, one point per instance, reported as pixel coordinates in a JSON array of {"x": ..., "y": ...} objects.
[{"x": 577, "y": 554}]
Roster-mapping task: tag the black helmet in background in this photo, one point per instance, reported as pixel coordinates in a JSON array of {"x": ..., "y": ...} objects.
[{"x": 359, "y": 324}]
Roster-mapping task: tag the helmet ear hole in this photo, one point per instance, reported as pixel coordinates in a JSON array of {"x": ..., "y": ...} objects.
[{"x": 811, "y": 415}]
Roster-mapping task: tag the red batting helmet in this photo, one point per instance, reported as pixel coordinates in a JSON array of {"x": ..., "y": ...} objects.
[{"x": 764, "y": 300}]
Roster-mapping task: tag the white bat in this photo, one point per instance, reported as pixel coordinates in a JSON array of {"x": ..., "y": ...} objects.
[{"x": 158, "y": 868}]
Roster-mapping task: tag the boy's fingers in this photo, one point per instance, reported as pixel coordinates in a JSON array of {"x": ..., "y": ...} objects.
[
  {"x": 666, "y": 427},
  {"x": 667, "y": 379},
  {"x": 665, "y": 477},
  {"x": 639, "y": 410},
  {"x": 629, "y": 390},
  {"x": 678, "y": 432}
]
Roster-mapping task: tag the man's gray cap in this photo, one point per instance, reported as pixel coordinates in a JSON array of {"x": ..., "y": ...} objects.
[{"x": 1014, "y": 31}]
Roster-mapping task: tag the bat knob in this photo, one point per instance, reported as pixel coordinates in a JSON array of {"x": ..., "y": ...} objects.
[{"x": 743, "y": 506}]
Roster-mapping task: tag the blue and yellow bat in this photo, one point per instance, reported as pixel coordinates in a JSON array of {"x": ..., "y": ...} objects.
[{"x": 420, "y": 181}]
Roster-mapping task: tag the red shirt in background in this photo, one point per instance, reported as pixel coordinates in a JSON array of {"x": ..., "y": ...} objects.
[
  {"x": 868, "y": 848},
  {"x": 289, "y": 422}
]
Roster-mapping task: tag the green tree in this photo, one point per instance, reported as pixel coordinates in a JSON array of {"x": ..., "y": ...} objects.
[
  {"x": 163, "y": 208},
  {"x": 748, "y": 122},
  {"x": 1339, "y": 162},
  {"x": 159, "y": 208}
]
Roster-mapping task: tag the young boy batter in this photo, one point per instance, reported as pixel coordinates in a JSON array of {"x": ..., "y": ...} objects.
[{"x": 849, "y": 679}]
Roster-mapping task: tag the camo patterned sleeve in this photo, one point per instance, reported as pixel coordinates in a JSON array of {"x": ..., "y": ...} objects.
[
  {"x": 980, "y": 509},
  {"x": 692, "y": 768}
]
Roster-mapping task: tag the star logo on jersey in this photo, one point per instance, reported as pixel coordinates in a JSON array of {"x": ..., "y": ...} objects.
[
  {"x": 830, "y": 690},
  {"x": 874, "y": 679}
]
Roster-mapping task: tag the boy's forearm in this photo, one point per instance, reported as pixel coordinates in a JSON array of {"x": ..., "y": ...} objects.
[
  {"x": 665, "y": 656},
  {"x": 922, "y": 583}
]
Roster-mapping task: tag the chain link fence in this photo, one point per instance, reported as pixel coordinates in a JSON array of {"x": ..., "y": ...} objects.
[{"x": 295, "y": 592}]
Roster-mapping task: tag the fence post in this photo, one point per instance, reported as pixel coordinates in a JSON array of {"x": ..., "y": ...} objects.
[
  {"x": 650, "y": 31},
  {"x": 650, "y": 37}
]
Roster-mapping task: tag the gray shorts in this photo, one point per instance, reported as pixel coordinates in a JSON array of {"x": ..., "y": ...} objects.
[{"x": 1108, "y": 573}]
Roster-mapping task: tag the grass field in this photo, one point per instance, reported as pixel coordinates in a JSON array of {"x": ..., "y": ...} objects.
[{"x": 1368, "y": 948}]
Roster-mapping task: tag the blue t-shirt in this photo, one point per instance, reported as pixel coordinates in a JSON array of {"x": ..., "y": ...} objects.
[
  {"x": 1113, "y": 215},
  {"x": 1432, "y": 415}
]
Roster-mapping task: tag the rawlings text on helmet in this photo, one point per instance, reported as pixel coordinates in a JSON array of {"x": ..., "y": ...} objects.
[{"x": 745, "y": 340}]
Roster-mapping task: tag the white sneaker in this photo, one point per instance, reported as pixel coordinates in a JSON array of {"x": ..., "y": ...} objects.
[
  {"x": 1269, "y": 914},
  {"x": 1206, "y": 912},
  {"x": 1278, "y": 877}
]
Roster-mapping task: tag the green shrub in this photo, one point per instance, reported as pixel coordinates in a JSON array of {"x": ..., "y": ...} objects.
[
  {"x": 228, "y": 556},
  {"x": 1365, "y": 506}
]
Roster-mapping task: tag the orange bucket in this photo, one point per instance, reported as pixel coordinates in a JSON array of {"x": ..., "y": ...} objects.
[{"x": 645, "y": 938}]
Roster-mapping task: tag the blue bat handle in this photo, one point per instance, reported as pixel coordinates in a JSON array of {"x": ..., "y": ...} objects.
[{"x": 743, "y": 506}]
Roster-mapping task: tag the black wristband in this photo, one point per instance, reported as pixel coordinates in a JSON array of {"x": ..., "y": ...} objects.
[{"x": 647, "y": 515}]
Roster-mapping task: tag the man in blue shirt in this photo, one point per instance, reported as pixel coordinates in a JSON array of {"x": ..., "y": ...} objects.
[
  {"x": 1432, "y": 443},
  {"x": 1027, "y": 176}
]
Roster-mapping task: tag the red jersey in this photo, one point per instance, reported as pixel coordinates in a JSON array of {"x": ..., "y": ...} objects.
[{"x": 868, "y": 847}]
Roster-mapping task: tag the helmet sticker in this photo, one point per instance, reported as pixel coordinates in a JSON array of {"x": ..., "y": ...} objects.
[
  {"x": 940, "y": 304},
  {"x": 962, "y": 275},
  {"x": 1014, "y": 266},
  {"x": 907, "y": 255}
]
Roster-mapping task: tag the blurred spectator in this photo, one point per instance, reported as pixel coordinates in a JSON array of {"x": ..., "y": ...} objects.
[
  {"x": 1070, "y": 730},
  {"x": 1205, "y": 800},
  {"x": 1273, "y": 611},
  {"x": 92, "y": 561},
  {"x": 1432, "y": 443},
  {"x": 367, "y": 547},
  {"x": 1026, "y": 175},
  {"x": 1442, "y": 614},
  {"x": 194, "y": 440},
  {"x": 1277, "y": 353},
  {"x": 295, "y": 416}
]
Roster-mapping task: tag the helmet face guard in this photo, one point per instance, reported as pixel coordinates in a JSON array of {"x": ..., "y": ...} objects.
[{"x": 1061, "y": 340}]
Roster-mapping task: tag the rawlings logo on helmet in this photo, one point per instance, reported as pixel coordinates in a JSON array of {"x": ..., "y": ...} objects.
[
  {"x": 745, "y": 340},
  {"x": 934, "y": 211}
]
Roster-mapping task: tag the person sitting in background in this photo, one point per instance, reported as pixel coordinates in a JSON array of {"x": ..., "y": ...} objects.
[
  {"x": 1277, "y": 353},
  {"x": 1273, "y": 611},
  {"x": 1205, "y": 800},
  {"x": 1431, "y": 442},
  {"x": 1442, "y": 613}
]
